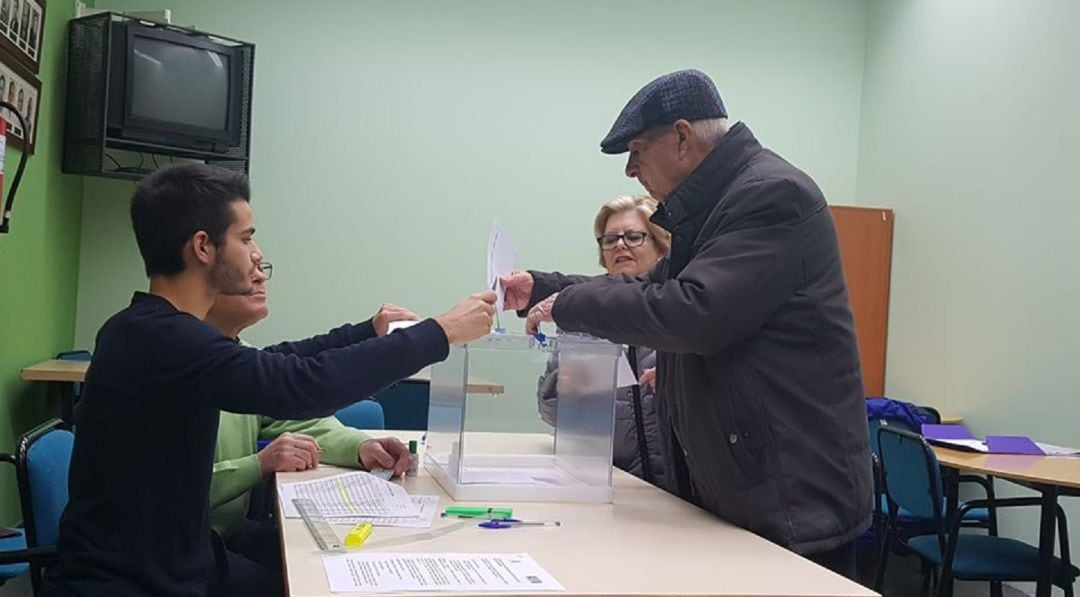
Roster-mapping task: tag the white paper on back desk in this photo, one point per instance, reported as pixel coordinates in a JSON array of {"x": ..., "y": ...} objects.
[{"x": 349, "y": 494}]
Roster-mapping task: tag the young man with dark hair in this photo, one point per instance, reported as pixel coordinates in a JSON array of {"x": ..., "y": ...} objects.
[
  {"x": 173, "y": 204},
  {"x": 160, "y": 375}
]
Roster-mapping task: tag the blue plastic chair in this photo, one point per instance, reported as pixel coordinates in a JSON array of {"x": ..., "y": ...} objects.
[
  {"x": 13, "y": 550},
  {"x": 981, "y": 517},
  {"x": 41, "y": 467},
  {"x": 911, "y": 478},
  {"x": 366, "y": 414}
]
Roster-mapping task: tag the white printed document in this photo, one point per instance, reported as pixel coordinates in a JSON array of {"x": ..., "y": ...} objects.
[
  {"x": 428, "y": 505},
  {"x": 349, "y": 494},
  {"x": 434, "y": 572}
]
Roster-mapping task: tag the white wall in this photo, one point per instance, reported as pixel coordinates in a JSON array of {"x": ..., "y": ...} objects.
[{"x": 970, "y": 123}]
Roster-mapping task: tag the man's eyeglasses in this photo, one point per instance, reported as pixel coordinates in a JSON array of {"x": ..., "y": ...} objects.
[
  {"x": 267, "y": 269},
  {"x": 633, "y": 238}
]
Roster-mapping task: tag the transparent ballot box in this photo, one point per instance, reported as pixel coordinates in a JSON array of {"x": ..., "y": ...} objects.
[{"x": 485, "y": 447}]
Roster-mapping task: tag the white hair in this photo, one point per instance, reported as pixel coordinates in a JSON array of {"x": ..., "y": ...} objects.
[{"x": 710, "y": 130}]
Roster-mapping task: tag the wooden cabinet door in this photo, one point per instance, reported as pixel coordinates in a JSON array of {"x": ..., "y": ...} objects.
[{"x": 866, "y": 252}]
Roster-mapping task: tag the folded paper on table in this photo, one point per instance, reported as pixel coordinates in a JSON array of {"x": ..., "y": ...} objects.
[{"x": 936, "y": 431}]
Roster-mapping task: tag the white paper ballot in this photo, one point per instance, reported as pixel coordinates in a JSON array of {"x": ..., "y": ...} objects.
[
  {"x": 502, "y": 257},
  {"x": 437, "y": 572},
  {"x": 350, "y": 494},
  {"x": 428, "y": 505}
]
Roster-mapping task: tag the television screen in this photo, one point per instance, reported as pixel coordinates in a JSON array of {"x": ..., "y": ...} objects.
[{"x": 179, "y": 84}]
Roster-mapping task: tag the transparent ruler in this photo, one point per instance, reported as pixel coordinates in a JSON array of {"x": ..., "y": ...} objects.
[{"x": 321, "y": 530}]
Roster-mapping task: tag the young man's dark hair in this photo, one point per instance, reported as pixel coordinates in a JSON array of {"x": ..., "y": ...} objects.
[{"x": 174, "y": 203}]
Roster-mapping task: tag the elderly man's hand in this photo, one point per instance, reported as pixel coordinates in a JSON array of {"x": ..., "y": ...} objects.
[
  {"x": 288, "y": 452},
  {"x": 518, "y": 287},
  {"x": 540, "y": 312},
  {"x": 385, "y": 452},
  {"x": 389, "y": 313}
]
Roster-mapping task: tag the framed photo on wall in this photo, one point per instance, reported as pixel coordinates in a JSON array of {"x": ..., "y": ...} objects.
[
  {"x": 21, "y": 89},
  {"x": 22, "y": 26}
]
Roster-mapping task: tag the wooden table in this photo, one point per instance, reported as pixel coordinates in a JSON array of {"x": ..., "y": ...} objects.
[
  {"x": 951, "y": 419},
  {"x": 1051, "y": 476},
  {"x": 66, "y": 373},
  {"x": 646, "y": 543},
  {"x": 60, "y": 374}
]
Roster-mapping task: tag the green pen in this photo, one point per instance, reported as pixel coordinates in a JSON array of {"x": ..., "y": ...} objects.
[{"x": 478, "y": 512}]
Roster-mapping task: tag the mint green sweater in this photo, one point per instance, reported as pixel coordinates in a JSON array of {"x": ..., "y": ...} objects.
[{"x": 236, "y": 468}]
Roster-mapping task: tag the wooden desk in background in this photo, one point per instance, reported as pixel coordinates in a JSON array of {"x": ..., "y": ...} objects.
[
  {"x": 66, "y": 373},
  {"x": 951, "y": 419},
  {"x": 63, "y": 375},
  {"x": 646, "y": 543},
  {"x": 1051, "y": 476}
]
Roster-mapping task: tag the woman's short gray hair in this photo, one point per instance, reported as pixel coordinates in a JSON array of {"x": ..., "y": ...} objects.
[{"x": 644, "y": 205}]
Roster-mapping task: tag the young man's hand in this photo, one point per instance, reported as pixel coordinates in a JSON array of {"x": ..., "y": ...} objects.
[
  {"x": 389, "y": 313},
  {"x": 470, "y": 319}
]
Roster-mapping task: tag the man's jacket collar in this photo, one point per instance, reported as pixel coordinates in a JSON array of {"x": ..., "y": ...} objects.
[{"x": 700, "y": 190}]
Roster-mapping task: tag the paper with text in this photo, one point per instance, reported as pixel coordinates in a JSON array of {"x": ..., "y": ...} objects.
[
  {"x": 437, "y": 572},
  {"x": 349, "y": 494},
  {"x": 428, "y": 505}
]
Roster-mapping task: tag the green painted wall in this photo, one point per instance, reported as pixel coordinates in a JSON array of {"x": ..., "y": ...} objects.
[
  {"x": 388, "y": 136},
  {"x": 969, "y": 126},
  {"x": 39, "y": 261}
]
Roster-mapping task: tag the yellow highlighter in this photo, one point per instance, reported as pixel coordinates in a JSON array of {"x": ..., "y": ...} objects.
[{"x": 358, "y": 535}]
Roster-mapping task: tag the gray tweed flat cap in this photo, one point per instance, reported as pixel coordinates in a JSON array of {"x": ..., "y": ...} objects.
[{"x": 688, "y": 94}]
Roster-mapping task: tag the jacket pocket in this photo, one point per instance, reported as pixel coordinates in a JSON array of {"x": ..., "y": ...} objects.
[{"x": 737, "y": 417}]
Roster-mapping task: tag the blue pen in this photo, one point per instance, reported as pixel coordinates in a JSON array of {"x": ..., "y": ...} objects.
[
  {"x": 509, "y": 523},
  {"x": 540, "y": 338}
]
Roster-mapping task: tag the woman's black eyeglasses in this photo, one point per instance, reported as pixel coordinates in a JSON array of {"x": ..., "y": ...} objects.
[{"x": 633, "y": 238}]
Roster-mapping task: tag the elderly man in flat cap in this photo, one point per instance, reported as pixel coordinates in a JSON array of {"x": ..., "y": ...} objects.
[{"x": 758, "y": 384}]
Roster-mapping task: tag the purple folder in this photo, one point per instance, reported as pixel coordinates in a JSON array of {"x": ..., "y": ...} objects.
[
  {"x": 1012, "y": 444},
  {"x": 934, "y": 431}
]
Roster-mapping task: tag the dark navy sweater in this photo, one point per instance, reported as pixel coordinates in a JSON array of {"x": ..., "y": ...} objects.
[{"x": 137, "y": 522}]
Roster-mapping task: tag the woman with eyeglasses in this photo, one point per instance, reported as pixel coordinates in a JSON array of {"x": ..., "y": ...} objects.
[{"x": 629, "y": 244}]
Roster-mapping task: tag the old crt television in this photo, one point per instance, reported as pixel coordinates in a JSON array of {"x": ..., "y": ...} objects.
[{"x": 170, "y": 88}]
